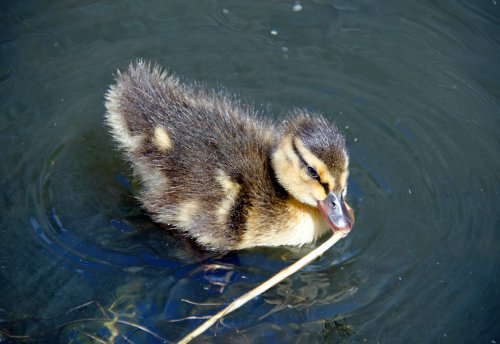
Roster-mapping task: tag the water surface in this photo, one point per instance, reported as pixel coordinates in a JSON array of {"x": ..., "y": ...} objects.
[{"x": 415, "y": 86}]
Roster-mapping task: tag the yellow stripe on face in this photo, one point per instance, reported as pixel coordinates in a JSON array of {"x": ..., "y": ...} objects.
[
  {"x": 162, "y": 139},
  {"x": 312, "y": 160}
]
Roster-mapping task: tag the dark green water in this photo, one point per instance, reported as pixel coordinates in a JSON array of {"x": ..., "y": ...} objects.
[{"x": 415, "y": 87}]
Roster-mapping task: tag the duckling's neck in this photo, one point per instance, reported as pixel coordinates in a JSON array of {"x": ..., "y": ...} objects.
[{"x": 300, "y": 223}]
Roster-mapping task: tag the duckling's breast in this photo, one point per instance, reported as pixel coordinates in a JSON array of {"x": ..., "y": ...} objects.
[{"x": 283, "y": 222}]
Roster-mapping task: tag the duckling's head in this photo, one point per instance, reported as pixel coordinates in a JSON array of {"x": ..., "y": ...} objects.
[{"x": 311, "y": 162}]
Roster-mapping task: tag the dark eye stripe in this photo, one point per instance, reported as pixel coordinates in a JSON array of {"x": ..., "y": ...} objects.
[
  {"x": 304, "y": 163},
  {"x": 326, "y": 187}
]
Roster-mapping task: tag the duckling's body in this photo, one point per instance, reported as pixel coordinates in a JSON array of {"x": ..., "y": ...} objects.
[{"x": 214, "y": 169}]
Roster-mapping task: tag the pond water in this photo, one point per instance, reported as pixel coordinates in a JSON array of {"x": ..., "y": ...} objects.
[{"x": 414, "y": 85}]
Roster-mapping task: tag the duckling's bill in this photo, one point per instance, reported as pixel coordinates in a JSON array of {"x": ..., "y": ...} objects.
[{"x": 337, "y": 213}]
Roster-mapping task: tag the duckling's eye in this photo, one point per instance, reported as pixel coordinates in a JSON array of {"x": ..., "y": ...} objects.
[{"x": 312, "y": 172}]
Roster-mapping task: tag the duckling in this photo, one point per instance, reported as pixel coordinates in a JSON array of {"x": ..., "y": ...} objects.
[{"x": 222, "y": 174}]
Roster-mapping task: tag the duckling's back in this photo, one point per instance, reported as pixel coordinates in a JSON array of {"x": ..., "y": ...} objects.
[{"x": 199, "y": 155}]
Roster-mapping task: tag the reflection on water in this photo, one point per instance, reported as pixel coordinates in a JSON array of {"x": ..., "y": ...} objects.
[{"x": 413, "y": 85}]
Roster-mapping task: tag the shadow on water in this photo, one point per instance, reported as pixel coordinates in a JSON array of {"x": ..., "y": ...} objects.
[{"x": 415, "y": 88}]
